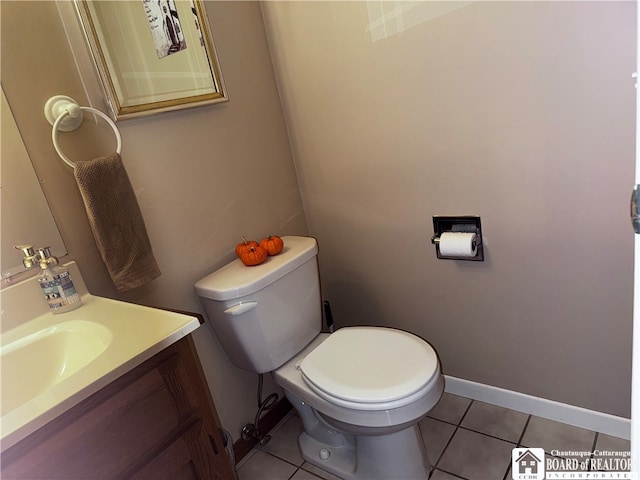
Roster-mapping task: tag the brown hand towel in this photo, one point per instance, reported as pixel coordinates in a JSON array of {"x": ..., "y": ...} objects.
[{"x": 116, "y": 221}]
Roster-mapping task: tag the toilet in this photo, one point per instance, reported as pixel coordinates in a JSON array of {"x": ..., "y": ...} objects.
[{"x": 360, "y": 391}]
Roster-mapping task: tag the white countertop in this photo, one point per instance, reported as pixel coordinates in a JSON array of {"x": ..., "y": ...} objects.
[{"x": 130, "y": 334}]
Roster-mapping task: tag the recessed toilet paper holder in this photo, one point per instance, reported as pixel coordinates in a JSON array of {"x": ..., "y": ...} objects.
[{"x": 464, "y": 224}]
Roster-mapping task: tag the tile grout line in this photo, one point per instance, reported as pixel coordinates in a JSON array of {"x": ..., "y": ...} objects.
[
  {"x": 281, "y": 459},
  {"x": 593, "y": 448},
  {"x": 526, "y": 425},
  {"x": 465, "y": 412},
  {"x": 595, "y": 441},
  {"x": 294, "y": 473},
  {"x": 435, "y": 465},
  {"x": 488, "y": 435},
  {"x": 448, "y": 473},
  {"x": 463, "y": 427},
  {"x": 518, "y": 444},
  {"x": 305, "y": 471}
]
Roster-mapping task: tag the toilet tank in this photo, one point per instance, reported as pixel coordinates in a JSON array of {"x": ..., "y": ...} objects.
[{"x": 263, "y": 315}]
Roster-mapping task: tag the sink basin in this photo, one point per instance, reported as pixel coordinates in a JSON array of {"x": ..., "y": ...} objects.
[
  {"x": 50, "y": 363},
  {"x": 34, "y": 363}
]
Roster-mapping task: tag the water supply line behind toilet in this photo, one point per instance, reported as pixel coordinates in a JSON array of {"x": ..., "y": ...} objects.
[{"x": 252, "y": 430}]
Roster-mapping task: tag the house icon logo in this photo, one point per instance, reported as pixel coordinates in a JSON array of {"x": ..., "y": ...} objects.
[{"x": 527, "y": 464}]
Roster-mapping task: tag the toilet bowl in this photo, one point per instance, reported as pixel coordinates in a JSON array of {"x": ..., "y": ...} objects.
[
  {"x": 346, "y": 377},
  {"x": 360, "y": 392},
  {"x": 389, "y": 444}
]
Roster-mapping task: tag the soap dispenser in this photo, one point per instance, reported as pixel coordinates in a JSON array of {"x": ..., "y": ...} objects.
[
  {"x": 56, "y": 284},
  {"x": 30, "y": 258}
]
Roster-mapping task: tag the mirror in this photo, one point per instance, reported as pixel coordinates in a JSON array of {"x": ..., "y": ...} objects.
[
  {"x": 25, "y": 214},
  {"x": 152, "y": 55}
]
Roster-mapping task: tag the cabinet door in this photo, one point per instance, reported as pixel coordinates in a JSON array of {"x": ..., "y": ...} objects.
[
  {"x": 185, "y": 380},
  {"x": 177, "y": 461},
  {"x": 103, "y": 440},
  {"x": 174, "y": 463},
  {"x": 157, "y": 421}
]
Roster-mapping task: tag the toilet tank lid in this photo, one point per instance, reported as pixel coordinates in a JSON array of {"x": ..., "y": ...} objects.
[{"x": 236, "y": 280}]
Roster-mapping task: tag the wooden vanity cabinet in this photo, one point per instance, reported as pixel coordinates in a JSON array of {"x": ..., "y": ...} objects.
[{"x": 158, "y": 421}]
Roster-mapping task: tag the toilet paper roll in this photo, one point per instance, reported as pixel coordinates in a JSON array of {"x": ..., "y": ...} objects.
[{"x": 458, "y": 244}]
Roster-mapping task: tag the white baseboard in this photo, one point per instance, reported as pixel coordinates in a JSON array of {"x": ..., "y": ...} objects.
[{"x": 541, "y": 407}]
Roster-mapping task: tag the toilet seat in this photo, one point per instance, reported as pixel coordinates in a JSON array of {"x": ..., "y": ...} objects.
[{"x": 370, "y": 368}]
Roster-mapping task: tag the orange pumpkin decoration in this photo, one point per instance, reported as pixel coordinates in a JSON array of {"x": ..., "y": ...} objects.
[
  {"x": 245, "y": 246},
  {"x": 272, "y": 244},
  {"x": 254, "y": 256}
]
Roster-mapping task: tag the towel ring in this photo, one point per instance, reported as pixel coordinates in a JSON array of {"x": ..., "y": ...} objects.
[{"x": 65, "y": 114}]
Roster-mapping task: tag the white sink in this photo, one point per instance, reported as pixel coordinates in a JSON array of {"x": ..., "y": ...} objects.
[
  {"x": 33, "y": 363},
  {"x": 49, "y": 363}
]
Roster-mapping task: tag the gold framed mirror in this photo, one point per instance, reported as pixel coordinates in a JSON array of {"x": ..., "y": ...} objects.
[{"x": 152, "y": 56}]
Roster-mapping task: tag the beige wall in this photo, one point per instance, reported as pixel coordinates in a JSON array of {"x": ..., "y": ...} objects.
[
  {"x": 203, "y": 177},
  {"x": 520, "y": 112}
]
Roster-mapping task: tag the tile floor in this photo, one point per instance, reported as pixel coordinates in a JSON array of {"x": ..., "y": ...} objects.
[{"x": 465, "y": 439}]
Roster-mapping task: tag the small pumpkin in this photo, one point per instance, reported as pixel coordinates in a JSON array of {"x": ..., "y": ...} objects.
[
  {"x": 255, "y": 255},
  {"x": 245, "y": 246},
  {"x": 272, "y": 244}
]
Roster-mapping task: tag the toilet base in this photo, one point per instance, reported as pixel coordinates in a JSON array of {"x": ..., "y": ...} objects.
[
  {"x": 400, "y": 454},
  {"x": 397, "y": 455}
]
